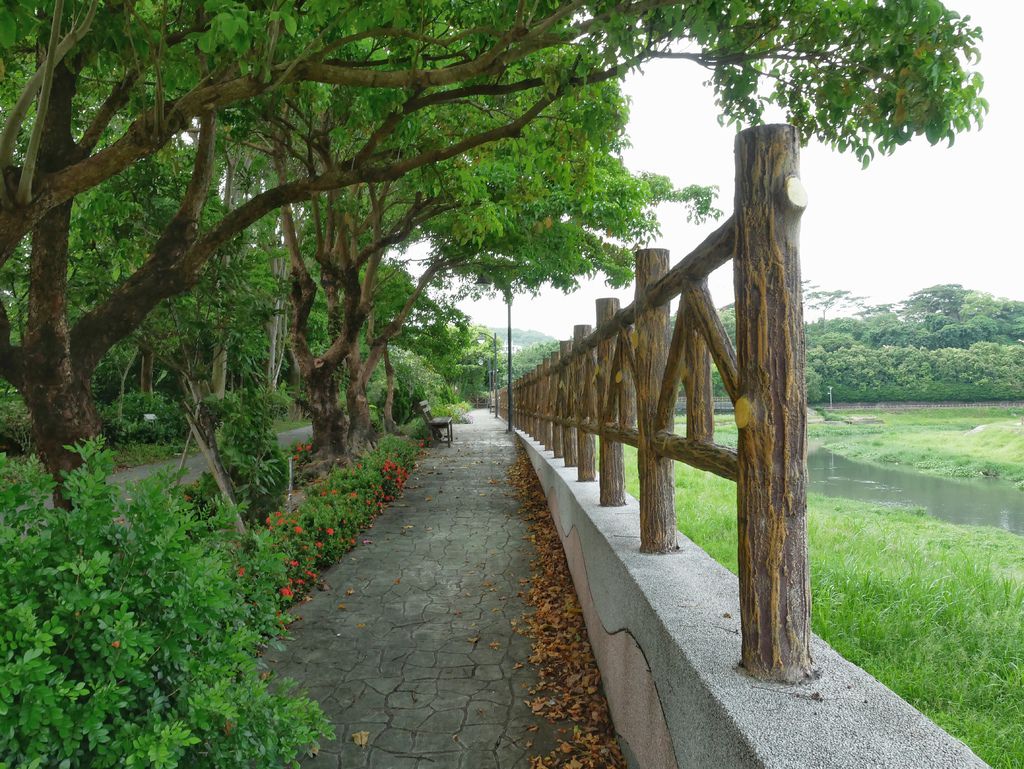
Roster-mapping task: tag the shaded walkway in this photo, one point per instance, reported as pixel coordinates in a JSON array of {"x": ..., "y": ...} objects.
[{"x": 424, "y": 656}]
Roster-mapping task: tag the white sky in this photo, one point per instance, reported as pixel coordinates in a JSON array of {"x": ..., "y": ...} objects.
[{"x": 922, "y": 216}]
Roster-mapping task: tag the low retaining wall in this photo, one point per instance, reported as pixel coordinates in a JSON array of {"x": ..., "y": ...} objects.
[{"x": 665, "y": 632}]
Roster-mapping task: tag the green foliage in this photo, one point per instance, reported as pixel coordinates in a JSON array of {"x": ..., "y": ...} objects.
[
  {"x": 169, "y": 427},
  {"x": 530, "y": 357},
  {"x": 416, "y": 380},
  {"x": 127, "y": 641},
  {"x": 985, "y": 371},
  {"x": 15, "y": 426},
  {"x": 457, "y": 410},
  {"x": 249, "y": 450}
]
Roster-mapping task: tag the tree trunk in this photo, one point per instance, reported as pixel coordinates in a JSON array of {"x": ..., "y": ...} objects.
[
  {"x": 389, "y": 397},
  {"x": 63, "y": 414},
  {"x": 219, "y": 373},
  {"x": 330, "y": 427},
  {"x": 146, "y": 372},
  {"x": 361, "y": 432},
  {"x": 56, "y": 388}
]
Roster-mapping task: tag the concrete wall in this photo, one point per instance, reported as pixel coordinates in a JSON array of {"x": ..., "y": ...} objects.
[{"x": 665, "y": 632}]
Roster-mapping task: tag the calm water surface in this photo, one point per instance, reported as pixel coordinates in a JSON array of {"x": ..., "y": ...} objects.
[{"x": 980, "y": 502}]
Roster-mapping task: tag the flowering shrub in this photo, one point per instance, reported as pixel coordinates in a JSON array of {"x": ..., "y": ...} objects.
[
  {"x": 130, "y": 632},
  {"x": 301, "y": 453},
  {"x": 327, "y": 524}
]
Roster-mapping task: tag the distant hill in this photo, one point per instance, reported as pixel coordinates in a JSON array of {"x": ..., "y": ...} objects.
[{"x": 522, "y": 338}]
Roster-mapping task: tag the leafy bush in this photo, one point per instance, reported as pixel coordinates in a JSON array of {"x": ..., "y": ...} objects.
[
  {"x": 458, "y": 411},
  {"x": 248, "y": 447},
  {"x": 15, "y": 426},
  {"x": 327, "y": 524},
  {"x": 130, "y": 633},
  {"x": 132, "y": 426}
]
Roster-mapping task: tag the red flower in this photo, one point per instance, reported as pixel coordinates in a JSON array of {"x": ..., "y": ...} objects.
[
  {"x": 286, "y": 592},
  {"x": 319, "y": 544},
  {"x": 293, "y": 563},
  {"x": 241, "y": 571},
  {"x": 298, "y": 529},
  {"x": 116, "y": 644},
  {"x": 330, "y": 532}
]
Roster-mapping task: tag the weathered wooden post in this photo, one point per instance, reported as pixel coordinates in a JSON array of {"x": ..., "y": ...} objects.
[
  {"x": 700, "y": 397},
  {"x": 771, "y": 412},
  {"x": 657, "y": 480},
  {"x": 554, "y": 405},
  {"x": 584, "y": 392},
  {"x": 612, "y": 477},
  {"x": 565, "y": 385},
  {"x": 542, "y": 403}
]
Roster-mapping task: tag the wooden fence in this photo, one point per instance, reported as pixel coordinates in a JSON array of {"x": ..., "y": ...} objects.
[{"x": 618, "y": 385}]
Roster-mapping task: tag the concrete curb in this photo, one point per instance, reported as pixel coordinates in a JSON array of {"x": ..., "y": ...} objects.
[{"x": 665, "y": 632}]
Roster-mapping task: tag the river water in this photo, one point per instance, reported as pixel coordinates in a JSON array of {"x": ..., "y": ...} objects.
[{"x": 981, "y": 502}]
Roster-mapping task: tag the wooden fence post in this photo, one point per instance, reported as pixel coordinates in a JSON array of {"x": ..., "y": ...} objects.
[
  {"x": 553, "y": 406},
  {"x": 775, "y": 593},
  {"x": 657, "y": 476},
  {"x": 612, "y": 475},
  {"x": 700, "y": 397},
  {"x": 565, "y": 385},
  {"x": 542, "y": 403},
  {"x": 584, "y": 393}
]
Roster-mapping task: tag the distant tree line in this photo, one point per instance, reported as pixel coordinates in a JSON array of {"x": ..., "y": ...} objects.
[{"x": 943, "y": 343}]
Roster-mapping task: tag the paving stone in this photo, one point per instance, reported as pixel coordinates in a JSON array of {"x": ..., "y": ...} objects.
[{"x": 411, "y": 677}]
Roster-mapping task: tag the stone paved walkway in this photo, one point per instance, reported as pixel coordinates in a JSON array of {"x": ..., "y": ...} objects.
[{"x": 424, "y": 656}]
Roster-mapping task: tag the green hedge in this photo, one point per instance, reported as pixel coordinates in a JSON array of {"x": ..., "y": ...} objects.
[{"x": 126, "y": 639}]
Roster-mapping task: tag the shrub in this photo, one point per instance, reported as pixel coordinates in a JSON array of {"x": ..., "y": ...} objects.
[
  {"x": 458, "y": 411},
  {"x": 15, "y": 426},
  {"x": 132, "y": 427},
  {"x": 130, "y": 631},
  {"x": 249, "y": 450}
]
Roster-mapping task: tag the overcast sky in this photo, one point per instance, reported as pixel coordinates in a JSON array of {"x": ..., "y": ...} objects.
[{"x": 921, "y": 216}]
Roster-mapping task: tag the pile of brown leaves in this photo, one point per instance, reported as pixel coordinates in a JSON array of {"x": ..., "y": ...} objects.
[{"x": 570, "y": 682}]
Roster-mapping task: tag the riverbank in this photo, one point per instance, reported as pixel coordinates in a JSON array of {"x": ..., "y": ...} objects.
[
  {"x": 933, "y": 610},
  {"x": 956, "y": 443}
]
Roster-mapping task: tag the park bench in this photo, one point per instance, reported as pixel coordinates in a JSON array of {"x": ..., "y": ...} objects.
[{"x": 440, "y": 427}]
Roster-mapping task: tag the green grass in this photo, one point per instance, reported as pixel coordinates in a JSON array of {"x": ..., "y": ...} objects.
[
  {"x": 936, "y": 441},
  {"x": 933, "y": 610}
]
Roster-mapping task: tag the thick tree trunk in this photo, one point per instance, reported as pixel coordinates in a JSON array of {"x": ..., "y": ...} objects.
[
  {"x": 361, "y": 432},
  {"x": 63, "y": 413},
  {"x": 389, "y": 397},
  {"x": 330, "y": 426}
]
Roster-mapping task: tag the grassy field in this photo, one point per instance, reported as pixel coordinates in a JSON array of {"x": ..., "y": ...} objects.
[
  {"x": 933, "y": 610},
  {"x": 958, "y": 443}
]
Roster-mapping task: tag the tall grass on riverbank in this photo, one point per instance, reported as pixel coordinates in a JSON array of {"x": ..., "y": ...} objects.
[
  {"x": 959, "y": 443},
  {"x": 933, "y": 610}
]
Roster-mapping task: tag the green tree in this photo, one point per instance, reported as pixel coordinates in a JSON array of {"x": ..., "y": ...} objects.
[{"x": 113, "y": 84}]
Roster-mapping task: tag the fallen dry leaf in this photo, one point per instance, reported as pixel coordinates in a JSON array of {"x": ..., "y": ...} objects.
[
  {"x": 362, "y": 739},
  {"x": 569, "y": 680},
  {"x": 341, "y": 606},
  {"x": 350, "y": 591},
  {"x": 494, "y": 645},
  {"x": 360, "y": 625}
]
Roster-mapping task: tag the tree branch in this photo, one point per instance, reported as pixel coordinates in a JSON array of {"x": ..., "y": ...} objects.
[{"x": 162, "y": 275}]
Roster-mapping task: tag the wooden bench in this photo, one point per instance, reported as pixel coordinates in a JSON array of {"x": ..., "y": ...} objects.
[{"x": 440, "y": 427}]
